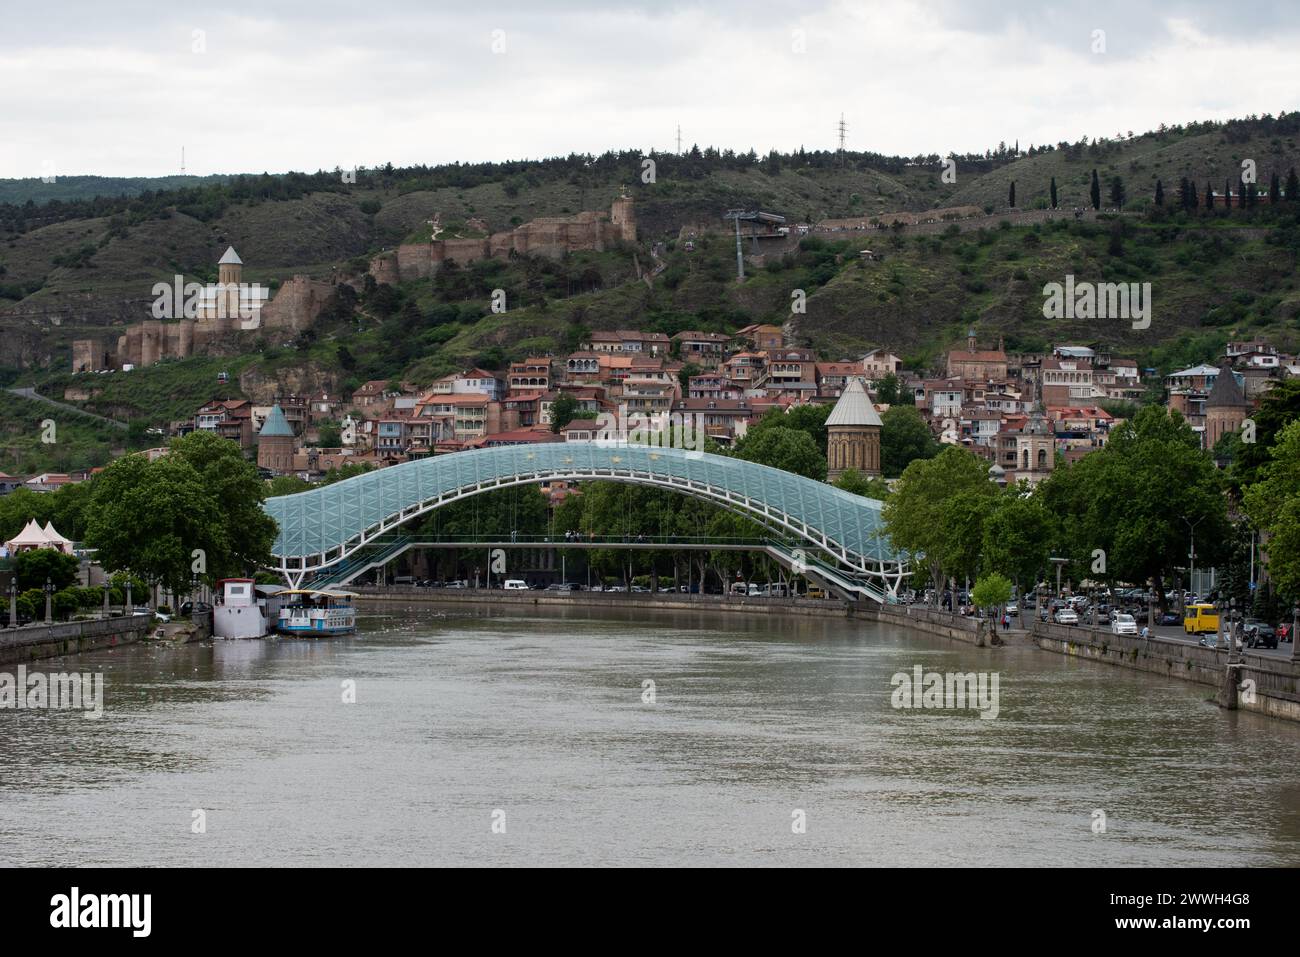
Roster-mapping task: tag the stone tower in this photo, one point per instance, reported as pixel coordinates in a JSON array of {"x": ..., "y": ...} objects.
[
  {"x": 230, "y": 268},
  {"x": 1035, "y": 450},
  {"x": 623, "y": 216},
  {"x": 1225, "y": 407},
  {"x": 230, "y": 271},
  {"x": 853, "y": 433},
  {"x": 275, "y": 443}
]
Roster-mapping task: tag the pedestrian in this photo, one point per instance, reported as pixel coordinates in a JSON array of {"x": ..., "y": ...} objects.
[
  {"x": 1006, "y": 622},
  {"x": 1146, "y": 633}
]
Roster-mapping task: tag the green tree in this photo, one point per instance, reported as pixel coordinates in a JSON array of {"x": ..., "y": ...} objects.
[
  {"x": 1138, "y": 500},
  {"x": 1273, "y": 504},
  {"x": 1095, "y": 191},
  {"x": 930, "y": 494},
  {"x": 784, "y": 448},
  {"x": 1278, "y": 407},
  {"x": 565, "y": 409},
  {"x": 1018, "y": 538},
  {"x": 1117, "y": 193},
  {"x": 851, "y": 480},
  {"x": 904, "y": 438},
  {"x": 34, "y": 567},
  {"x": 803, "y": 418},
  {"x": 888, "y": 391},
  {"x": 993, "y": 590},
  {"x": 1160, "y": 193},
  {"x": 1053, "y": 192},
  {"x": 203, "y": 497}
]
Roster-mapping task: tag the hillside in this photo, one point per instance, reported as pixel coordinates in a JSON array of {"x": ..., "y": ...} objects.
[{"x": 76, "y": 266}]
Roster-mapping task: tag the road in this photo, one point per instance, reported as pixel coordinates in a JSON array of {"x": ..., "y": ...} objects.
[
  {"x": 1176, "y": 633},
  {"x": 30, "y": 393}
]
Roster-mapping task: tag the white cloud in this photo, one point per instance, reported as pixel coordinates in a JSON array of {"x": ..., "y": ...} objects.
[{"x": 313, "y": 85}]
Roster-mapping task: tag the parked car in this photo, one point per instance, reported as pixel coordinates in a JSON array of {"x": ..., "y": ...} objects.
[
  {"x": 515, "y": 584},
  {"x": 1013, "y": 609},
  {"x": 191, "y": 608},
  {"x": 1066, "y": 617},
  {"x": 1259, "y": 634},
  {"x": 1123, "y": 625},
  {"x": 565, "y": 587},
  {"x": 1169, "y": 618},
  {"x": 1214, "y": 639}
]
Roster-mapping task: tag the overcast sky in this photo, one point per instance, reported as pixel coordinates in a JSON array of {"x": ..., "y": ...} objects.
[{"x": 117, "y": 88}]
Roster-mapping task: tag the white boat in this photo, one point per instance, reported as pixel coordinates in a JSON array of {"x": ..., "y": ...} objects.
[
  {"x": 312, "y": 613},
  {"x": 237, "y": 613}
]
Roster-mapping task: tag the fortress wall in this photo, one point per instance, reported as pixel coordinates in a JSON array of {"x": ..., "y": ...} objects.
[
  {"x": 465, "y": 250},
  {"x": 295, "y": 305},
  {"x": 551, "y": 236},
  {"x": 415, "y": 260}
]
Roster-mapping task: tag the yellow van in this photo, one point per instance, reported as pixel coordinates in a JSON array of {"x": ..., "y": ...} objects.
[{"x": 1200, "y": 618}]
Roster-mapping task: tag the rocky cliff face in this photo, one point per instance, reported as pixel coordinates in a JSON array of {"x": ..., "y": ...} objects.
[{"x": 262, "y": 386}]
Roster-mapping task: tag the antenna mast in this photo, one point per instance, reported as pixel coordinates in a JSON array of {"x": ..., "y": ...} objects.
[{"x": 843, "y": 128}]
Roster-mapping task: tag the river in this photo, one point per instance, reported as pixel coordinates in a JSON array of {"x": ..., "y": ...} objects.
[{"x": 510, "y": 738}]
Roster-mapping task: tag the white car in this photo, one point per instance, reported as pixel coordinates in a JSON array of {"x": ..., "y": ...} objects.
[
  {"x": 1013, "y": 609},
  {"x": 1066, "y": 617},
  {"x": 1124, "y": 625},
  {"x": 515, "y": 584}
]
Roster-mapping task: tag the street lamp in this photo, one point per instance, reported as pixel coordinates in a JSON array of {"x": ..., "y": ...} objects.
[
  {"x": 49, "y": 594},
  {"x": 107, "y": 585},
  {"x": 1295, "y": 622},
  {"x": 1191, "y": 555},
  {"x": 1059, "y": 563},
  {"x": 13, "y": 603}
]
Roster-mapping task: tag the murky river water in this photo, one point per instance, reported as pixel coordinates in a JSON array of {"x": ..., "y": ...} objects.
[{"x": 537, "y": 722}]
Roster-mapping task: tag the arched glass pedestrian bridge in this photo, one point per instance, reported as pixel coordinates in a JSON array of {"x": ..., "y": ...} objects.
[{"x": 829, "y": 532}]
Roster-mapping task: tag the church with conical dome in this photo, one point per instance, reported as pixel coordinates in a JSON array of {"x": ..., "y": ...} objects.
[{"x": 853, "y": 433}]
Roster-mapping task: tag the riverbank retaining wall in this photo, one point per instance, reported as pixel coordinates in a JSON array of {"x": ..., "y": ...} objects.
[
  {"x": 1267, "y": 684},
  {"x": 31, "y": 642},
  {"x": 930, "y": 621},
  {"x": 411, "y": 595}
]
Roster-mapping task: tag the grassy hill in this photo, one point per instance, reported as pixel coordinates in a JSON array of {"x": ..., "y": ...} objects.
[{"x": 77, "y": 266}]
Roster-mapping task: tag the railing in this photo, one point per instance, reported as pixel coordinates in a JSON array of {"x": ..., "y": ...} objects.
[{"x": 796, "y": 556}]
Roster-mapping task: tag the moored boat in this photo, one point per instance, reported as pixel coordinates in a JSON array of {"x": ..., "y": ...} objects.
[
  {"x": 237, "y": 613},
  {"x": 314, "y": 613}
]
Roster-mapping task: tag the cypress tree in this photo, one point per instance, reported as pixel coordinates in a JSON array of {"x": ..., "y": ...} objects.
[
  {"x": 1227, "y": 194},
  {"x": 1274, "y": 190},
  {"x": 1209, "y": 196},
  {"x": 1252, "y": 195},
  {"x": 1183, "y": 200},
  {"x": 1117, "y": 194},
  {"x": 1011, "y": 196},
  {"x": 1096, "y": 191},
  {"x": 1160, "y": 193},
  {"x": 1292, "y": 186},
  {"x": 1289, "y": 195}
]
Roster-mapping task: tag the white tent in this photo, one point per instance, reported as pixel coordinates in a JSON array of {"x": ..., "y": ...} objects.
[
  {"x": 56, "y": 540},
  {"x": 33, "y": 536}
]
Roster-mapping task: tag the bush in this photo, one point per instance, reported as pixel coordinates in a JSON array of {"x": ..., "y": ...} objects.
[{"x": 66, "y": 602}]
